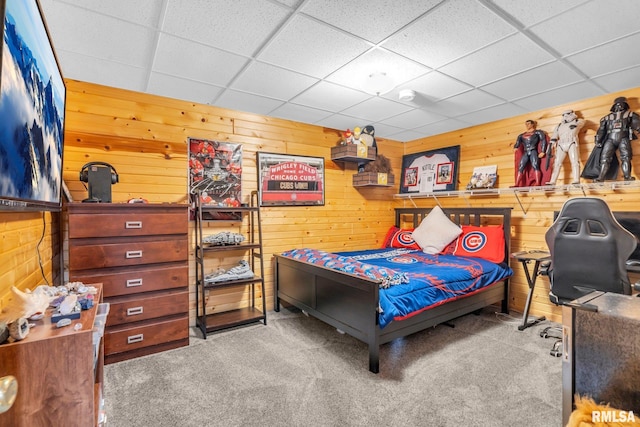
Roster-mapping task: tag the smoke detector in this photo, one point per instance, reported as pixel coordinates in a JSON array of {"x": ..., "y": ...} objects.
[{"x": 406, "y": 95}]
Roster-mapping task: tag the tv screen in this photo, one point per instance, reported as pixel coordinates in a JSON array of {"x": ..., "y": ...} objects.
[{"x": 32, "y": 109}]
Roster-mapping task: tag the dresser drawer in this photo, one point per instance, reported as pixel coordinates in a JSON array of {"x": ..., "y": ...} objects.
[
  {"x": 123, "y": 338},
  {"x": 104, "y": 255},
  {"x": 127, "y": 224},
  {"x": 147, "y": 306},
  {"x": 132, "y": 280}
]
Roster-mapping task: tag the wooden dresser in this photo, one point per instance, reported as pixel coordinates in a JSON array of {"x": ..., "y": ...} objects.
[
  {"x": 59, "y": 373},
  {"x": 140, "y": 253}
]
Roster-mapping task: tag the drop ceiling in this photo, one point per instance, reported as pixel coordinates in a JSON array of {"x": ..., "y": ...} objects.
[{"x": 468, "y": 61}]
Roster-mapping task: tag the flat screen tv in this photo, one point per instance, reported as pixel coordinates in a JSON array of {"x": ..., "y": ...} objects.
[{"x": 32, "y": 110}]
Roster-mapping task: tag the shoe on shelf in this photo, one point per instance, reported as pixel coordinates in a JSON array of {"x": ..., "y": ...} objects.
[
  {"x": 239, "y": 272},
  {"x": 224, "y": 238}
]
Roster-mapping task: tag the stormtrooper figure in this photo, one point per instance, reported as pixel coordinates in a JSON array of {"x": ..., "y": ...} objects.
[{"x": 565, "y": 141}]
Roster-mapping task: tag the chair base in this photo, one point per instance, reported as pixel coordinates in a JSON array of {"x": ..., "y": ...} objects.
[{"x": 550, "y": 332}]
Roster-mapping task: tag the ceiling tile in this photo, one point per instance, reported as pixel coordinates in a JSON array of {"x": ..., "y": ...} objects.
[
  {"x": 376, "y": 109},
  {"x": 239, "y": 26},
  {"x": 442, "y": 127},
  {"x": 407, "y": 135},
  {"x": 536, "y": 80},
  {"x": 330, "y": 97},
  {"x": 187, "y": 90},
  {"x": 342, "y": 122},
  {"x": 544, "y": 9},
  {"x": 283, "y": 84},
  {"x": 492, "y": 114},
  {"x": 559, "y": 96},
  {"x": 451, "y": 31},
  {"x": 311, "y": 48},
  {"x": 107, "y": 36},
  {"x": 356, "y": 73},
  {"x": 300, "y": 113},
  {"x": 464, "y": 103},
  {"x": 373, "y": 20},
  {"x": 591, "y": 24},
  {"x": 241, "y": 101},
  {"x": 195, "y": 61},
  {"x": 502, "y": 59},
  {"x": 435, "y": 86},
  {"x": 108, "y": 73},
  {"x": 620, "y": 80},
  {"x": 413, "y": 119},
  {"x": 607, "y": 59},
  {"x": 143, "y": 12}
]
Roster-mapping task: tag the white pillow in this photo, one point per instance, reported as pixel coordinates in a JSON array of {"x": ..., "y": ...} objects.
[{"x": 435, "y": 232}]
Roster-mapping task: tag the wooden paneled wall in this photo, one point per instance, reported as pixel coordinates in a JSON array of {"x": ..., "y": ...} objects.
[
  {"x": 145, "y": 138},
  {"x": 492, "y": 144}
]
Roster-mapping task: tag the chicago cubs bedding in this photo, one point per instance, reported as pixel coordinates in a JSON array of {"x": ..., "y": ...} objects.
[
  {"x": 434, "y": 265},
  {"x": 410, "y": 280}
]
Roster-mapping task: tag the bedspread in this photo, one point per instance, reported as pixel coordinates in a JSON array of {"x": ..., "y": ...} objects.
[{"x": 427, "y": 280}]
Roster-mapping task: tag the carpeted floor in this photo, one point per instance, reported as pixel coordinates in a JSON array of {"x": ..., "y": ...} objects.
[{"x": 299, "y": 371}]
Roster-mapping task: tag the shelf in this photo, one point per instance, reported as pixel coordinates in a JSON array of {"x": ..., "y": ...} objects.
[
  {"x": 238, "y": 247},
  {"x": 227, "y": 283},
  {"x": 251, "y": 247},
  {"x": 583, "y": 188},
  {"x": 373, "y": 179},
  {"x": 353, "y": 153},
  {"x": 229, "y": 319}
]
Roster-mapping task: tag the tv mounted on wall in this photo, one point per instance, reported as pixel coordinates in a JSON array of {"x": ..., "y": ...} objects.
[{"x": 32, "y": 111}]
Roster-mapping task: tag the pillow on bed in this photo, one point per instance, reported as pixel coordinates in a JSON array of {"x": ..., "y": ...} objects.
[
  {"x": 485, "y": 242},
  {"x": 399, "y": 238},
  {"x": 435, "y": 232}
]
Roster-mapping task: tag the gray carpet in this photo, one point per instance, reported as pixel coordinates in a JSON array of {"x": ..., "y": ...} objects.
[{"x": 299, "y": 371}]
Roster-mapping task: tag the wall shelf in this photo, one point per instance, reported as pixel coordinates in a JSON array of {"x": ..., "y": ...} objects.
[{"x": 583, "y": 188}]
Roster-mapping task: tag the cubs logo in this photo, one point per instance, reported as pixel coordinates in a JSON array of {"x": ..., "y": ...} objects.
[
  {"x": 474, "y": 241},
  {"x": 402, "y": 260},
  {"x": 404, "y": 238}
]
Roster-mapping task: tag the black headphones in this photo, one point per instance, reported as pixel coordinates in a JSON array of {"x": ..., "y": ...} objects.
[{"x": 84, "y": 173}]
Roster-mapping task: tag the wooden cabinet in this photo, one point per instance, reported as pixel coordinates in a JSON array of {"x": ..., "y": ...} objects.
[
  {"x": 210, "y": 321},
  {"x": 140, "y": 253},
  {"x": 59, "y": 373}
]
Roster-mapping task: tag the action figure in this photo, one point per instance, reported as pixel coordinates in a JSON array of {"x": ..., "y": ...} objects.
[
  {"x": 616, "y": 133},
  {"x": 565, "y": 140},
  {"x": 534, "y": 145}
]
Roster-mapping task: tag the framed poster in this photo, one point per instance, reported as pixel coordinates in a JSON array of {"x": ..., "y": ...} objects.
[
  {"x": 288, "y": 180},
  {"x": 215, "y": 172},
  {"x": 429, "y": 171}
]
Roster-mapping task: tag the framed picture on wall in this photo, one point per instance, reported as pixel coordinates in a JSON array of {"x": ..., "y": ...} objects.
[
  {"x": 215, "y": 172},
  {"x": 289, "y": 180},
  {"x": 429, "y": 171}
]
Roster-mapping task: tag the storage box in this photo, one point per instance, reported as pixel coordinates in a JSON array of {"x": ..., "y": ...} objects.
[
  {"x": 353, "y": 153},
  {"x": 363, "y": 179}
]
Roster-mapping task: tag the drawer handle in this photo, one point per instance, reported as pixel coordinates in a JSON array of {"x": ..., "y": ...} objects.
[
  {"x": 133, "y": 224},
  {"x": 134, "y": 310},
  {"x": 134, "y": 282},
  {"x": 135, "y": 338},
  {"x": 133, "y": 254}
]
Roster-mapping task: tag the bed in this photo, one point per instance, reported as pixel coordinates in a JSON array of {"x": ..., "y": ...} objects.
[{"x": 351, "y": 302}]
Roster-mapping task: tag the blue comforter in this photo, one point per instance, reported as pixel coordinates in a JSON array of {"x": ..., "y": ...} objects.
[{"x": 413, "y": 281}]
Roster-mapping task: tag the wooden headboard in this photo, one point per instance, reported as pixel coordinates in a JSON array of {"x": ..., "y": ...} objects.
[{"x": 411, "y": 218}]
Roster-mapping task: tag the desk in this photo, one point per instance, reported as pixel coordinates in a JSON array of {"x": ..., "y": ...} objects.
[{"x": 525, "y": 258}]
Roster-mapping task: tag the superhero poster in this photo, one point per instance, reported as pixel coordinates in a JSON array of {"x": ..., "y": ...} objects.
[{"x": 215, "y": 172}]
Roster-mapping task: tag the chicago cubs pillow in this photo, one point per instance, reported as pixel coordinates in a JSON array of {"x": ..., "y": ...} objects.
[
  {"x": 485, "y": 242},
  {"x": 399, "y": 238}
]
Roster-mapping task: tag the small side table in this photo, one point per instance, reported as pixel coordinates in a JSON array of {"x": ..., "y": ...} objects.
[{"x": 525, "y": 258}]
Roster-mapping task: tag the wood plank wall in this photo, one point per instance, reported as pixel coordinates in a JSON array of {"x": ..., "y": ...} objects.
[
  {"x": 492, "y": 144},
  {"x": 145, "y": 138}
]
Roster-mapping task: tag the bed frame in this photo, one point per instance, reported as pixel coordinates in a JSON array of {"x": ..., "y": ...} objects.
[{"x": 350, "y": 303}]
